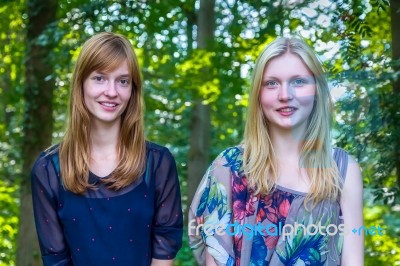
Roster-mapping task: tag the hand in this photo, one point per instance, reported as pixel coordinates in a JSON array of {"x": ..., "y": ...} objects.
[{"x": 156, "y": 262}]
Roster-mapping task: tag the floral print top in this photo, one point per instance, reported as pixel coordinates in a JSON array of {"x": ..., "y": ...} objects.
[{"x": 240, "y": 228}]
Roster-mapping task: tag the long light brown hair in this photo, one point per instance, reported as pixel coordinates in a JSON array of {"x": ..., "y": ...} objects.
[
  {"x": 103, "y": 52},
  {"x": 316, "y": 154}
]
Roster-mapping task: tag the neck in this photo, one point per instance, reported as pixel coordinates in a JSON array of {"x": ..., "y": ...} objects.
[
  {"x": 287, "y": 142},
  {"x": 104, "y": 138}
]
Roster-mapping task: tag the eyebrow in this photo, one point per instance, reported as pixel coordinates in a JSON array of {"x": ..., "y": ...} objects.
[
  {"x": 267, "y": 78},
  {"x": 105, "y": 74}
]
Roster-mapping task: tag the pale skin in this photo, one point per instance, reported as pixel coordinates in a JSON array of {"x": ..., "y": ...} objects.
[
  {"x": 284, "y": 138},
  {"x": 113, "y": 89},
  {"x": 287, "y": 96},
  {"x": 287, "y": 83},
  {"x": 209, "y": 260},
  {"x": 352, "y": 208}
]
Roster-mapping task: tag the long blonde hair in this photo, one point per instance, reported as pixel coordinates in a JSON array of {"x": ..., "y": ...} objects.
[
  {"x": 103, "y": 52},
  {"x": 259, "y": 159}
]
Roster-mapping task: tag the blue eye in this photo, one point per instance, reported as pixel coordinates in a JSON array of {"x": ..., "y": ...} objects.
[
  {"x": 299, "y": 82},
  {"x": 271, "y": 83}
]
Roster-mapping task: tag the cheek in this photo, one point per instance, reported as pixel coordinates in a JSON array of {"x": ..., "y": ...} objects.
[
  {"x": 86, "y": 96},
  {"x": 309, "y": 91},
  {"x": 87, "y": 92},
  {"x": 126, "y": 95},
  {"x": 266, "y": 99},
  {"x": 307, "y": 97},
  {"x": 307, "y": 100}
]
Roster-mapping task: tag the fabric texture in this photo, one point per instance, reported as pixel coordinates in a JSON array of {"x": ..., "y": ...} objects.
[
  {"x": 105, "y": 227},
  {"x": 255, "y": 232}
]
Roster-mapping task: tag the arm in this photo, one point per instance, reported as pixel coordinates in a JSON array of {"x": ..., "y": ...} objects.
[
  {"x": 168, "y": 219},
  {"x": 45, "y": 184},
  {"x": 351, "y": 203},
  {"x": 210, "y": 260},
  {"x": 156, "y": 262},
  {"x": 212, "y": 207}
]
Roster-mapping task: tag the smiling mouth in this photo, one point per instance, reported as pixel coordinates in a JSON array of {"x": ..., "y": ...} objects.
[
  {"x": 109, "y": 104},
  {"x": 287, "y": 109}
]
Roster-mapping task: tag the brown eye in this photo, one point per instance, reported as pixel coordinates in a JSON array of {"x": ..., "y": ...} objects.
[
  {"x": 98, "y": 78},
  {"x": 124, "y": 82}
]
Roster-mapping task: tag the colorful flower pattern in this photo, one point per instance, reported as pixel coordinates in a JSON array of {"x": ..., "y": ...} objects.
[{"x": 225, "y": 184}]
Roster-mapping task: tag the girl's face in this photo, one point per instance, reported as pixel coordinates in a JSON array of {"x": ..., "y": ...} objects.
[
  {"x": 106, "y": 95},
  {"x": 287, "y": 93}
]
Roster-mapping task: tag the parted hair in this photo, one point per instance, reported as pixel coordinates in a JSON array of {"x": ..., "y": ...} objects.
[
  {"x": 103, "y": 52},
  {"x": 259, "y": 159}
]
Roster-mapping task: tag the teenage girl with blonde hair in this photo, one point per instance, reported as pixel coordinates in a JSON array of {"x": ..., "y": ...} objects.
[{"x": 284, "y": 196}]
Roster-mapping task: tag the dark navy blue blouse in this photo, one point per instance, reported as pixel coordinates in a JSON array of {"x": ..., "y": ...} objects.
[{"x": 105, "y": 227}]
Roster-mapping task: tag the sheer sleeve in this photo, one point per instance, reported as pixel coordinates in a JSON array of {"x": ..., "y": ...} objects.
[
  {"x": 45, "y": 185},
  {"x": 211, "y": 212},
  {"x": 168, "y": 218}
]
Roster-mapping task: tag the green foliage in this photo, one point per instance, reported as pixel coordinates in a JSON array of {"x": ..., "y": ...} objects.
[
  {"x": 8, "y": 222},
  {"x": 351, "y": 36},
  {"x": 11, "y": 106},
  {"x": 385, "y": 249},
  {"x": 380, "y": 4},
  {"x": 11, "y": 87}
]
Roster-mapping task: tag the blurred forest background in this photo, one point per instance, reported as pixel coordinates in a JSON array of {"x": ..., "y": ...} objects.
[{"x": 196, "y": 58}]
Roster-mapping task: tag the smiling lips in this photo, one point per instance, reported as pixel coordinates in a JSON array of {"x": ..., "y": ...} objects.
[
  {"x": 287, "y": 110},
  {"x": 108, "y": 106}
]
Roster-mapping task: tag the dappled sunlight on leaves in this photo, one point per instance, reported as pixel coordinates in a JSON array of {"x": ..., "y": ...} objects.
[
  {"x": 9, "y": 209},
  {"x": 385, "y": 249}
]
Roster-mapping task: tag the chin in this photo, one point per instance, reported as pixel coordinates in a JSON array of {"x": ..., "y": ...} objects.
[{"x": 106, "y": 120}]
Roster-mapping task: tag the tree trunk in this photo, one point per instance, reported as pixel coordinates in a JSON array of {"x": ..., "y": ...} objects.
[
  {"x": 200, "y": 125},
  {"x": 38, "y": 120},
  {"x": 395, "y": 21}
]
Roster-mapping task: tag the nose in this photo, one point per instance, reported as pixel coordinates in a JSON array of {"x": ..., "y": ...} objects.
[
  {"x": 111, "y": 89},
  {"x": 285, "y": 92}
]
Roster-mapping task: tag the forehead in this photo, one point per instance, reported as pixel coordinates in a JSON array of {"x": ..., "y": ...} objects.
[
  {"x": 286, "y": 65},
  {"x": 121, "y": 66}
]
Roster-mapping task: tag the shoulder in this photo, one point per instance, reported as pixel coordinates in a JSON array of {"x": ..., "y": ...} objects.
[
  {"x": 339, "y": 154},
  {"x": 353, "y": 175},
  {"x": 351, "y": 200},
  {"x": 46, "y": 157},
  {"x": 232, "y": 154},
  {"x": 162, "y": 166},
  {"x": 158, "y": 154},
  {"x": 45, "y": 170},
  {"x": 229, "y": 158},
  {"x": 154, "y": 146},
  {"x": 341, "y": 158},
  {"x": 344, "y": 159},
  {"x": 349, "y": 169},
  {"x": 233, "y": 151}
]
